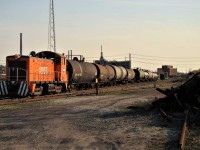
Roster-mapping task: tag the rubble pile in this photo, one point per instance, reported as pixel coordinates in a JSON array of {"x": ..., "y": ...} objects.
[{"x": 181, "y": 98}]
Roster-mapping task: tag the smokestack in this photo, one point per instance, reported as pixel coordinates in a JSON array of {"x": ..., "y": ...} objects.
[
  {"x": 130, "y": 60},
  {"x": 101, "y": 53},
  {"x": 20, "y": 43}
]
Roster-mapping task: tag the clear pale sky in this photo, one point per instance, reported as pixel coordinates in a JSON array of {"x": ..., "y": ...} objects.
[{"x": 168, "y": 29}]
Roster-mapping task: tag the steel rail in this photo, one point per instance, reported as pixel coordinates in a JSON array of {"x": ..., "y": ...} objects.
[
  {"x": 128, "y": 87},
  {"x": 184, "y": 130}
]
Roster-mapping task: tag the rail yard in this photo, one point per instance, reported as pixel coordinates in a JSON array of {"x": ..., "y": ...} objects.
[
  {"x": 79, "y": 105},
  {"x": 143, "y": 95},
  {"x": 108, "y": 121},
  {"x": 120, "y": 117}
]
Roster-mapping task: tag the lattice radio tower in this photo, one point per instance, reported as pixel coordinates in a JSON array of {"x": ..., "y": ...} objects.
[{"x": 51, "y": 31}]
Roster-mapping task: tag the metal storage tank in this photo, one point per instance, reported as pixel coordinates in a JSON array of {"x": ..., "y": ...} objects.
[
  {"x": 111, "y": 72},
  {"x": 81, "y": 72},
  {"x": 124, "y": 72},
  {"x": 130, "y": 74},
  {"x": 102, "y": 73},
  {"x": 118, "y": 72}
]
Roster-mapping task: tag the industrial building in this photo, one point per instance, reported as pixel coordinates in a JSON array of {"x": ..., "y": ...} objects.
[
  {"x": 126, "y": 64},
  {"x": 167, "y": 71}
]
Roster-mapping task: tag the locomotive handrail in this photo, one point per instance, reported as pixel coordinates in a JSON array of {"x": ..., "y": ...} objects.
[
  {"x": 48, "y": 76},
  {"x": 37, "y": 76}
]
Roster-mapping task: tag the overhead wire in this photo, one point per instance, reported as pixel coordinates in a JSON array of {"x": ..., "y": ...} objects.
[
  {"x": 154, "y": 60},
  {"x": 175, "y": 62},
  {"x": 166, "y": 57}
]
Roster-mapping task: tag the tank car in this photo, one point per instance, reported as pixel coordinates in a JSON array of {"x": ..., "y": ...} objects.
[
  {"x": 111, "y": 73},
  {"x": 130, "y": 75},
  {"x": 139, "y": 75},
  {"x": 81, "y": 74},
  {"x": 102, "y": 74},
  {"x": 152, "y": 76},
  {"x": 124, "y": 73},
  {"x": 155, "y": 77},
  {"x": 146, "y": 75},
  {"x": 37, "y": 74},
  {"x": 118, "y": 73}
]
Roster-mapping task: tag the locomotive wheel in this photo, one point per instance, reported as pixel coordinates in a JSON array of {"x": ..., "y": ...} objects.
[{"x": 38, "y": 90}]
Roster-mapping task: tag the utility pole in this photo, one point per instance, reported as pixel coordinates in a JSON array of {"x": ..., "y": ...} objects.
[
  {"x": 51, "y": 31},
  {"x": 130, "y": 60}
]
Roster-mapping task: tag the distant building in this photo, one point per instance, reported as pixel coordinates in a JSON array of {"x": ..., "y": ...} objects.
[
  {"x": 2, "y": 69},
  {"x": 167, "y": 71},
  {"x": 102, "y": 61}
]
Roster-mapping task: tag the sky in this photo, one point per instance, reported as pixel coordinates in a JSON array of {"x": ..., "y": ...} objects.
[{"x": 154, "y": 32}]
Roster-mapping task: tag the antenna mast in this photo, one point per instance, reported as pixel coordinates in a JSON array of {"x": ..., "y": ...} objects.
[{"x": 51, "y": 31}]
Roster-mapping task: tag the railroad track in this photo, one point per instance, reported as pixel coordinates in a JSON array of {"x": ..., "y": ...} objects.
[
  {"x": 103, "y": 90},
  {"x": 184, "y": 130}
]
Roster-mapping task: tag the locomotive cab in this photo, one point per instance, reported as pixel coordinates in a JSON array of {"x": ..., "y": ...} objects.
[
  {"x": 60, "y": 64},
  {"x": 16, "y": 84}
]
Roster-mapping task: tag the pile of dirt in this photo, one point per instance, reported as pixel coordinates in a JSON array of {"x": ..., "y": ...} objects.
[
  {"x": 182, "y": 98},
  {"x": 182, "y": 103}
]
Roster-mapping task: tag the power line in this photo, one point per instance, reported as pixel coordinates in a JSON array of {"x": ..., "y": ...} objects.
[
  {"x": 111, "y": 56},
  {"x": 149, "y": 60},
  {"x": 117, "y": 55},
  {"x": 153, "y": 59},
  {"x": 166, "y": 57},
  {"x": 148, "y": 63},
  {"x": 139, "y": 59}
]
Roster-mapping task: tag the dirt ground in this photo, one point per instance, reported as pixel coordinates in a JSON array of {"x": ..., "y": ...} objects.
[{"x": 120, "y": 120}]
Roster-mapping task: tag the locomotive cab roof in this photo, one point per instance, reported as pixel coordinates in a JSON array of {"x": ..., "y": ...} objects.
[
  {"x": 42, "y": 54},
  {"x": 49, "y": 55}
]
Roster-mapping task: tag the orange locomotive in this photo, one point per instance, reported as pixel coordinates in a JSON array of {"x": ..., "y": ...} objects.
[{"x": 37, "y": 74}]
